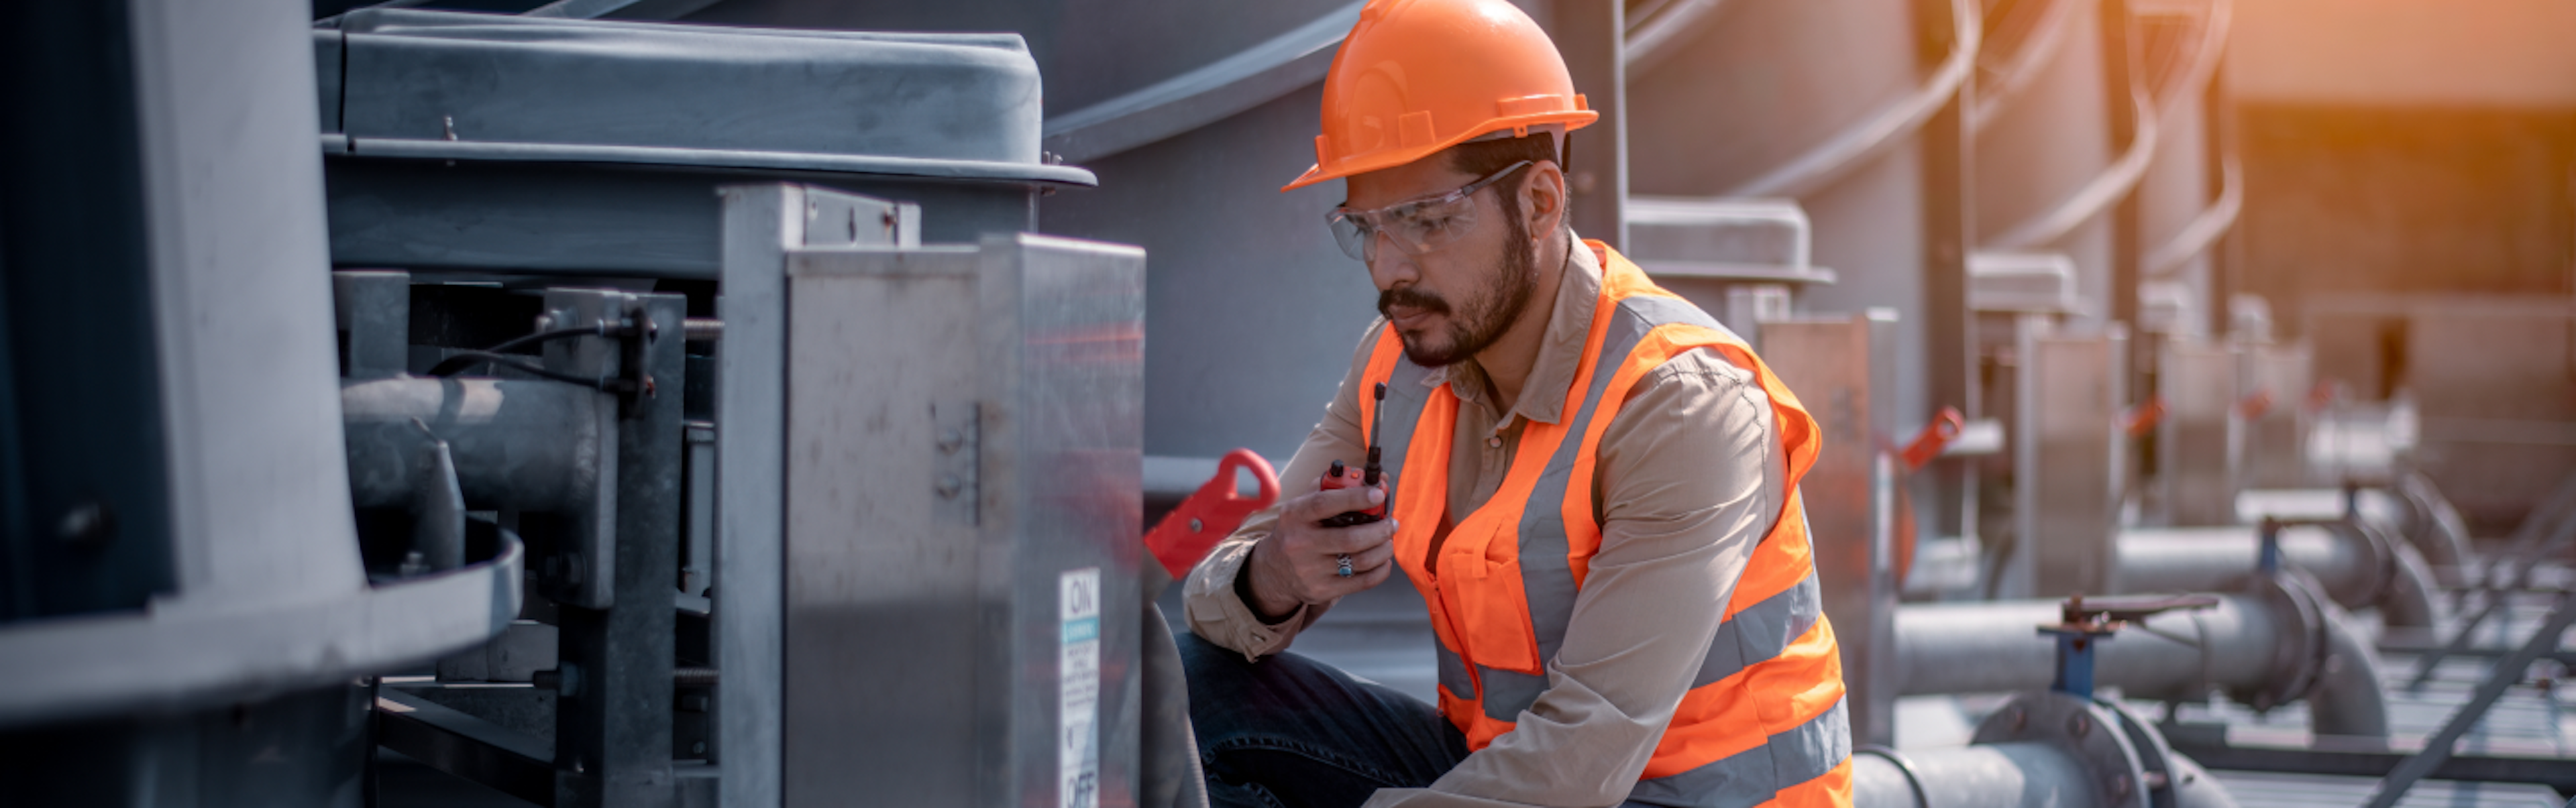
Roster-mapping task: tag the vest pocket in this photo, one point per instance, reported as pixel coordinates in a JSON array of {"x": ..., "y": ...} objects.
[{"x": 1494, "y": 610}]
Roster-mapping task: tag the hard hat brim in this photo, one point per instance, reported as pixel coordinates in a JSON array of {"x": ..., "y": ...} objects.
[{"x": 1570, "y": 119}]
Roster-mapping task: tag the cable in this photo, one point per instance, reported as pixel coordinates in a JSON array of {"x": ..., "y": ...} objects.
[
  {"x": 1913, "y": 778},
  {"x": 500, "y": 360},
  {"x": 459, "y": 362}
]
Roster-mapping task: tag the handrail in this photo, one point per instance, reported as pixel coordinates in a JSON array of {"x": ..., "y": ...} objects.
[
  {"x": 2048, "y": 34},
  {"x": 2122, "y": 176},
  {"x": 1658, "y": 33},
  {"x": 1851, "y": 147},
  {"x": 2215, "y": 220},
  {"x": 2087, "y": 202},
  {"x": 1212, "y": 92},
  {"x": 2204, "y": 229}
]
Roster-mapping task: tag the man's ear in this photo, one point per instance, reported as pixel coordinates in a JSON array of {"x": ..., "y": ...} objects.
[{"x": 1542, "y": 199}]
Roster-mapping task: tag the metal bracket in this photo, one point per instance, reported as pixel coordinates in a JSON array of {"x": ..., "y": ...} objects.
[{"x": 956, "y": 468}]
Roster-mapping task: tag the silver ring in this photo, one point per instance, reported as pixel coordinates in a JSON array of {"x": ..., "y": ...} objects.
[{"x": 1345, "y": 570}]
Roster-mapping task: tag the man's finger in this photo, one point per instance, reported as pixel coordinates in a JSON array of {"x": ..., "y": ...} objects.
[
  {"x": 1321, "y": 505},
  {"x": 1355, "y": 538},
  {"x": 1373, "y": 557}
]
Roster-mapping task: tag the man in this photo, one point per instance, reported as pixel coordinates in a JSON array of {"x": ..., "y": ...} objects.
[{"x": 1593, "y": 486}]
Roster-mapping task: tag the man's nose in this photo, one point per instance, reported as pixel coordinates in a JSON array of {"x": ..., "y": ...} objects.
[{"x": 1389, "y": 266}]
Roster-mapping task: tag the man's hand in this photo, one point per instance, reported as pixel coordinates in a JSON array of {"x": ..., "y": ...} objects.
[{"x": 1300, "y": 564}]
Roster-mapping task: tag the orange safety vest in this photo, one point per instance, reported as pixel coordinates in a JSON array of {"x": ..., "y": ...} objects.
[{"x": 1763, "y": 722}]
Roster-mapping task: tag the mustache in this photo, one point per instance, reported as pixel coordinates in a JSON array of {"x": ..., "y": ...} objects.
[{"x": 1410, "y": 297}]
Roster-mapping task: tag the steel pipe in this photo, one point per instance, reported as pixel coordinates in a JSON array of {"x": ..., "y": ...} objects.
[
  {"x": 1992, "y": 647},
  {"x": 2435, "y": 528},
  {"x": 2356, "y": 564},
  {"x": 526, "y": 445},
  {"x": 2276, "y": 643},
  {"x": 2003, "y": 775},
  {"x": 2028, "y": 774},
  {"x": 2199, "y": 559}
]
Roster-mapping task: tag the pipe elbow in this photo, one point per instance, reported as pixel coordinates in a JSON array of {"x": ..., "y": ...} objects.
[
  {"x": 2436, "y": 530},
  {"x": 2409, "y": 599},
  {"x": 2346, "y": 701}
]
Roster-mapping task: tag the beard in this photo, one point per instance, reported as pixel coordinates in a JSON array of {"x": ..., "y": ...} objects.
[{"x": 1482, "y": 321}]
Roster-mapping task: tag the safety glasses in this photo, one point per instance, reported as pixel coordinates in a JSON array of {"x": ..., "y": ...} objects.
[{"x": 1417, "y": 226}]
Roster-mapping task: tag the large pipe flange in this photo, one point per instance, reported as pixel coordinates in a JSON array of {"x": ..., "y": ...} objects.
[
  {"x": 2300, "y": 611},
  {"x": 2116, "y": 768}
]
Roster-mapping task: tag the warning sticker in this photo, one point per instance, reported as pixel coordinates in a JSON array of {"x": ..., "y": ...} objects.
[{"x": 1078, "y": 702}]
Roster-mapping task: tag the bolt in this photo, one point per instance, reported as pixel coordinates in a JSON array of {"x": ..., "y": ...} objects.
[
  {"x": 87, "y": 523},
  {"x": 1195, "y": 526},
  {"x": 698, "y": 747},
  {"x": 545, "y": 322},
  {"x": 950, "y": 440},
  {"x": 949, "y": 486},
  {"x": 447, "y": 126},
  {"x": 2080, "y": 725},
  {"x": 577, "y": 767}
]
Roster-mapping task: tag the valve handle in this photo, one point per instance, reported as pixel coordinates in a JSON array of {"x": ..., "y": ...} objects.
[
  {"x": 2254, "y": 406},
  {"x": 1211, "y": 513},
  {"x": 2140, "y": 420},
  {"x": 1936, "y": 436},
  {"x": 2110, "y": 612}
]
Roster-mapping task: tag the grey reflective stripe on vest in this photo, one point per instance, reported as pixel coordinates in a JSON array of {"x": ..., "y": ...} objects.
[
  {"x": 1754, "y": 776},
  {"x": 1453, "y": 673},
  {"x": 1396, "y": 418},
  {"x": 1547, "y": 577},
  {"x": 1760, "y": 632}
]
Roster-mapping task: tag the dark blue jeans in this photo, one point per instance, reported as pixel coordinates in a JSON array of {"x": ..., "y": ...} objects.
[{"x": 1291, "y": 732}]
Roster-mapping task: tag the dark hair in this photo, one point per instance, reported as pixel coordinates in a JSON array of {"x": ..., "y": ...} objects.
[{"x": 1480, "y": 158}]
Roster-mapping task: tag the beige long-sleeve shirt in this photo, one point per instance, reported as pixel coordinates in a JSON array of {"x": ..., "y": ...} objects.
[{"x": 1690, "y": 477}]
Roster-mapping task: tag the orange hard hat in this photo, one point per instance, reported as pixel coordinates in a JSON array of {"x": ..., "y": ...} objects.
[{"x": 1418, "y": 76}]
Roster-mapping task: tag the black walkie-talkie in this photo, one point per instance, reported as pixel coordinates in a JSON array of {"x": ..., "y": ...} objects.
[{"x": 1369, "y": 475}]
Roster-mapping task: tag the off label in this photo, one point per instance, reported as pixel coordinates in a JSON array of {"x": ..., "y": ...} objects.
[{"x": 1078, "y": 702}]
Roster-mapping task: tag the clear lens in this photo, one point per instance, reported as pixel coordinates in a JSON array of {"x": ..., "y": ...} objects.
[
  {"x": 1415, "y": 228},
  {"x": 1352, "y": 235}
]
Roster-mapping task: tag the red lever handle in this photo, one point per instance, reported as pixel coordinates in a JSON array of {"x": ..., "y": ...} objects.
[
  {"x": 2144, "y": 418},
  {"x": 1193, "y": 528},
  {"x": 2254, "y": 406},
  {"x": 1936, "y": 436}
]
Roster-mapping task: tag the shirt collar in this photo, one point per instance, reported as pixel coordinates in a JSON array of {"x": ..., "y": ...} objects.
[{"x": 1560, "y": 354}]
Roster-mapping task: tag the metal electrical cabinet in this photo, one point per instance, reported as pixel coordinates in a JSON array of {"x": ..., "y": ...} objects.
[{"x": 954, "y": 437}]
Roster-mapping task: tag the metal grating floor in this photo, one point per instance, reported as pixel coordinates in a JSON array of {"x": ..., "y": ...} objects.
[{"x": 1384, "y": 635}]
